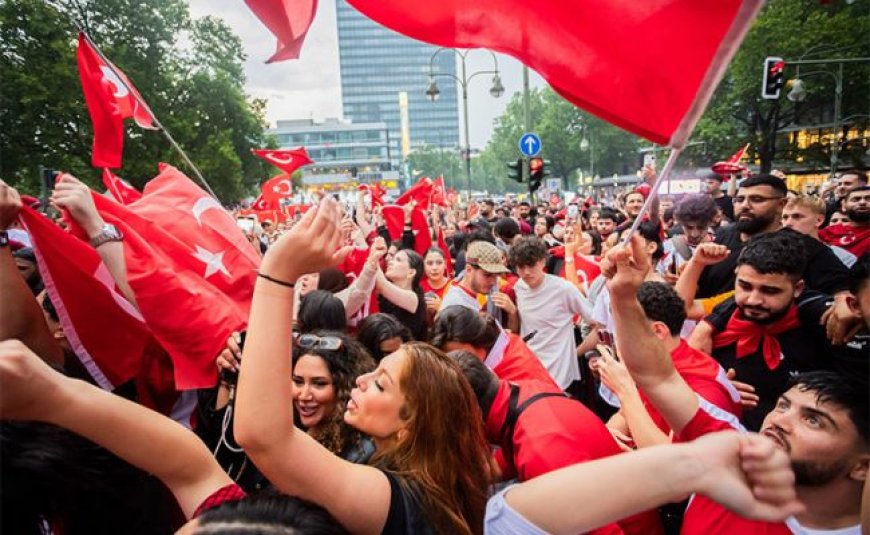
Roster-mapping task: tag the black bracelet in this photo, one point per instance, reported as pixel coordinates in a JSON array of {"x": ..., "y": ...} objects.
[{"x": 276, "y": 281}]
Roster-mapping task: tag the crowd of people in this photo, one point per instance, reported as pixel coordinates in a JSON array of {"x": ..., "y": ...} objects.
[{"x": 693, "y": 364}]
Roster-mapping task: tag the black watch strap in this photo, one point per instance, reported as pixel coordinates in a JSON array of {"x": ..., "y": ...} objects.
[{"x": 4, "y": 238}]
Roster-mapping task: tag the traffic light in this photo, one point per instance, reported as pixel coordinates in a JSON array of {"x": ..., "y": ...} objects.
[
  {"x": 537, "y": 172},
  {"x": 774, "y": 77},
  {"x": 515, "y": 170}
]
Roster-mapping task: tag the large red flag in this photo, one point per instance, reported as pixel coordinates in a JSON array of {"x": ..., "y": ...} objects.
[
  {"x": 376, "y": 191},
  {"x": 109, "y": 101},
  {"x": 285, "y": 160},
  {"x": 288, "y": 20},
  {"x": 122, "y": 192},
  {"x": 261, "y": 204},
  {"x": 649, "y": 67},
  {"x": 105, "y": 331},
  {"x": 733, "y": 164},
  {"x": 438, "y": 195},
  {"x": 191, "y": 268},
  {"x": 276, "y": 188},
  {"x": 420, "y": 193}
]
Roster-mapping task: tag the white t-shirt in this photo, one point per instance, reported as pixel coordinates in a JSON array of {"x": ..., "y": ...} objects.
[
  {"x": 548, "y": 309},
  {"x": 457, "y": 296}
]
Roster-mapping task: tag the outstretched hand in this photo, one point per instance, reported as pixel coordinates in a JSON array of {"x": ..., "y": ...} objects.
[
  {"x": 28, "y": 384},
  {"x": 626, "y": 266},
  {"x": 748, "y": 474},
  {"x": 313, "y": 244},
  {"x": 708, "y": 254},
  {"x": 74, "y": 196}
]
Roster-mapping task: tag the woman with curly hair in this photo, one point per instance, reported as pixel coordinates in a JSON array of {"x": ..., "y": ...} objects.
[{"x": 325, "y": 369}]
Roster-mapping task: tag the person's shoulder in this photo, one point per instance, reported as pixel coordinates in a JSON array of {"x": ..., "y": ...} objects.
[{"x": 727, "y": 234}]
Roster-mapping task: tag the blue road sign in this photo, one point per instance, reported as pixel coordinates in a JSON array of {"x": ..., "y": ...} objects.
[{"x": 530, "y": 144}]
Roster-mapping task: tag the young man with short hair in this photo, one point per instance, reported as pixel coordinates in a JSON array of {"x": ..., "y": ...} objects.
[
  {"x": 855, "y": 236},
  {"x": 820, "y": 421},
  {"x": 546, "y": 305},
  {"x": 806, "y": 215},
  {"x": 694, "y": 214},
  {"x": 713, "y": 181}
]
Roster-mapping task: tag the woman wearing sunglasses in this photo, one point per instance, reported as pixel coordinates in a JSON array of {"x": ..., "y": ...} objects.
[{"x": 430, "y": 473}]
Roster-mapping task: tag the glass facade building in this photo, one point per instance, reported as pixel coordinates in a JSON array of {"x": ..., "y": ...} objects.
[{"x": 377, "y": 64}]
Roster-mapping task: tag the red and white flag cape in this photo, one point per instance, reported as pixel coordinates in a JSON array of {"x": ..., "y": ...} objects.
[
  {"x": 110, "y": 98},
  {"x": 649, "y": 67}
]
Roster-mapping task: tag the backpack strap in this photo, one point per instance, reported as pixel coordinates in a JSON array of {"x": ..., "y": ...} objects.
[{"x": 514, "y": 412}]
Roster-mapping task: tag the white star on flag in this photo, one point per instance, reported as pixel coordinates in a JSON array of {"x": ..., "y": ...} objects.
[{"x": 214, "y": 262}]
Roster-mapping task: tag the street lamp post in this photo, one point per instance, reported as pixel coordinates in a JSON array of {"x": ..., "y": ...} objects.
[
  {"x": 433, "y": 92},
  {"x": 798, "y": 93}
]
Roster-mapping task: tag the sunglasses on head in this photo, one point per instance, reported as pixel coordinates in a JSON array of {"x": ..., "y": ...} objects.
[{"x": 312, "y": 341}]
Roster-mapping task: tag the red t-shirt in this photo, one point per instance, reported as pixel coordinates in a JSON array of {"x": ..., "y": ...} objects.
[
  {"x": 703, "y": 375},
  {"x": 424, "y": 284},
  {"x": 519, "y": 363},
  {"x": 704, "y": 516},
  {"x": 552, "y": 433}
]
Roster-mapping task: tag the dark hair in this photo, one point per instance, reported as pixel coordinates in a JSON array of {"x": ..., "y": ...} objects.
[
  {"x": 268, "y": 513},
  {"x": 548, "y": 220},
  {"x": 859, "y": 274},
  {"x": 332, "y": 280},
  {"x": 651, "y": 232},
  {"x": 528, "y": 251},
  {"x": 49, "y": 308},
  {"x": 857, "y": 188},
  {"x": 776, "y": 183},
  {"x": 480, "y": 235},
  {"x": 710, "y": 175},
  {"x": 345, "y": 364},
  {"x": 661, "y": 303},
  {"x": 696, "y": 208},
  {"x": 846, "y": 392},
  {"x": 608, "y": 213},
  {"x": 378, "y": 327},
  {"x": 775, "y": 252},
  {"x": 320, "y": 309},
  {"x": 436, "y": 250},
  {"x": 862, "y": 175},
  {"x": 489, "y": 202},
  {"x": 415, "y": 262},
  {"x": 483, "y": 381},
  {"x": 506, "y": 229},
  {"x": 460, "y": 324}
]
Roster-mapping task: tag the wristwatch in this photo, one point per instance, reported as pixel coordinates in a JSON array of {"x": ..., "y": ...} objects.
[
  {"x": 4, "y": 238},
  {"x": 106, "y": 234}
]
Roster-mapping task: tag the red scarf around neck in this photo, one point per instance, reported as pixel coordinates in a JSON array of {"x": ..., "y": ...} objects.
[{"x": 749, "y": 335}]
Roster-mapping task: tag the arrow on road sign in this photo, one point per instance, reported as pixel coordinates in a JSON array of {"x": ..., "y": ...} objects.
[{"x": 530, "y": 144}]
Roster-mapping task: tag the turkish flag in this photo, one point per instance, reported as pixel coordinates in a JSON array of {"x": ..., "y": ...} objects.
[
  {"x": 732, "y": 165},
  {"x": 438, "y": 196},
  {"x": 276, "y": 188},
  {"x": 419, "y": 193},
  {"x": 122, "y": 192},
  {"x": 394, "y": 220},
  {"x": 109, "y": 102},
  {"x": 105, "y": 331},
  {"x": 262, "y": 204},
  {"x": 191, "y": 268},
  {"x": 288, "y": 20},
  {"x": 647, "y": 67},
  {"x": 286, "y": 160},
  {"x": 376, "y": 192}
]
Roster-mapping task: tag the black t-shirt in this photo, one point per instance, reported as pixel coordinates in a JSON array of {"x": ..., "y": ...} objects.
[
  {"x": 407, "y": 515},
  {"x": 824, "y": 271},
  {"x": 726, "y": 204},
  {"x": 414, "y": 321},
  {"x": 804, "y": 349}
]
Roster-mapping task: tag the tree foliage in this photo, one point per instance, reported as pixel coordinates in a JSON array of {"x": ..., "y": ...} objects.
[{"x": 189, "y": 71}]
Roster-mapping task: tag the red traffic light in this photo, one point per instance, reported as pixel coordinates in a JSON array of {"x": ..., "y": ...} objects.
[{"x": 536, "y": 165}]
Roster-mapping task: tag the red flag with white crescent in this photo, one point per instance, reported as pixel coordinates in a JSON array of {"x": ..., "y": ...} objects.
[
  {"x": 288, "y": 160},
  {"x": 121, "y": 191},
  {"x": 276, "y": 188},
  {"x": 111, "y": 98}
]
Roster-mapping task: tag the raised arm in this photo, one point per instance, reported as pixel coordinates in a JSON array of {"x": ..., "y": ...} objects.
[
  {"x": 706, "y": 254},
  {"x": 644, "y": 355},
  {"x": 75, "y": 197},
  {"x": 33, "y": 391},
  {"x": 293, "y": 461},
  {"x": 20, "y": 316},
  {"x": 745, "y": 473}
]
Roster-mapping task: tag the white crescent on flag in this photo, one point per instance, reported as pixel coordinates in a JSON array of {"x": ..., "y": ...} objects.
[
  {"x": 283, "y": 161},
  {"x": 203, "y": 204},
  {"x": 109, "y": 75},
  {"x": 284, "y": 187}
]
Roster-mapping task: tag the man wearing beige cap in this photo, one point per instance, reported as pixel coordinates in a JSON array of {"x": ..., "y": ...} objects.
[{"x": 483, "y": 264}]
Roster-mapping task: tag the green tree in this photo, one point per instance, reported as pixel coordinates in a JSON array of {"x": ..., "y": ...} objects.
[
  {"x": 789, "y": 29},
  {"x": 196, "y": 91},
  {"x": 437, "y": 161}
]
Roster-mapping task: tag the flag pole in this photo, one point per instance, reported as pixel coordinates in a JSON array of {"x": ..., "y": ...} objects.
[
  {"x": 145, "y": 106},
  {"x": 666, "y": 170}
]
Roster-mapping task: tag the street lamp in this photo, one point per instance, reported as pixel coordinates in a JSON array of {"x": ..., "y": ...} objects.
[{"x": 432, "y": 92}]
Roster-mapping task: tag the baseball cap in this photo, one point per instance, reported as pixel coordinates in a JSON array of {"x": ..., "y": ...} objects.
[{"x": 485, "y": 256}]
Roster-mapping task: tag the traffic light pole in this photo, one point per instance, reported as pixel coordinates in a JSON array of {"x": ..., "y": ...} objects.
[{"x": 527, "y": 126}]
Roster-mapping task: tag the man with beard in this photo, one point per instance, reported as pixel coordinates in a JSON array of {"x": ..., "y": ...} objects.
[
  {"x": 820, "y": 421},
  {"x": 854, "y": 236},
  {"x": 846, "y": 182},
  {"x": 487, "y": 210},
  {"x": 770, "y": 329},
  {"x": 758, "y": 208}
]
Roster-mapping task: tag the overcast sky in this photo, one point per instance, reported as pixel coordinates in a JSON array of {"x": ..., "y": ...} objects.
[{"x": 310, "y": 86}]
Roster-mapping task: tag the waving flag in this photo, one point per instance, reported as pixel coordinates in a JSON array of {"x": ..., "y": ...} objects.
[
  {"x": 288, "y": 20},
  {"x": 285, "y": 160},
  {"x": 420, "y": 193},
  {"x": 649, "y": 67},
  {"x": 121, "y": 191},
  {"x": 111, "y": 98},
  {"x": 276, "y": 188},
  {"x": 376, "y": 191},
  {"x": 438, "y": 194},
  {"x": 732, "y": 165}
]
